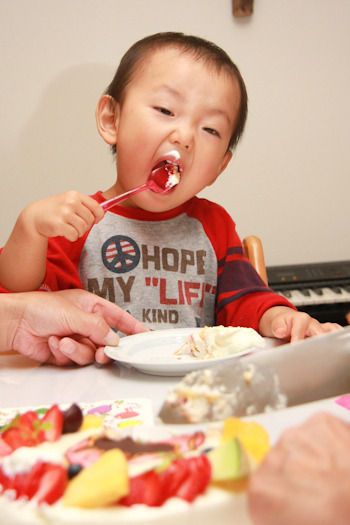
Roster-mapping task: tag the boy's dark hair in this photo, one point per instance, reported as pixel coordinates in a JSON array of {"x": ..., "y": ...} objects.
[{"x": 199, "y": 48}]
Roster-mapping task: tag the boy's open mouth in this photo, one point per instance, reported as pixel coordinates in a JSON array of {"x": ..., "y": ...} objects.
[
  {"x": 166, "y": 174},
  {"x": 170, "y": 166}
]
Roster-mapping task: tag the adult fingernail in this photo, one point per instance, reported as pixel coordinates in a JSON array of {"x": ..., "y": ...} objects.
[
  {"x": 67, "y": 347},
  {"x": 111, "y": 339},
  {"x": 53, "y": 342}
]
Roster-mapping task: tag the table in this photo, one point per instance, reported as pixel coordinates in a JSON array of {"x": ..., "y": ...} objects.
[{"x": 26, "y": 383}]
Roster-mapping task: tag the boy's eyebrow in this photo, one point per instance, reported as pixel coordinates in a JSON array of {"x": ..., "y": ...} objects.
[
  {"x": 171, "y": 90},
  {"x": 223, "y": 113}
]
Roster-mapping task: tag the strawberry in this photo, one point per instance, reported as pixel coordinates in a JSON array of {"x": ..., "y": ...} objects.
[
  {"x": 45, "y": 481},
  {"x": 52, "y": 423},
  {"x": 28, "y": 419},
  {"x": 145, "y": 488},
  {"x": 16, "y": 437},
  {"x": 33, "y": 479},
  {"x": 5, "y": 448},
  {"x": 184, "y": 478},
  {"x": 18, "y": 483},
  {"x": 174, "y": 476},
  {"x": 199, "y": 471},
  {"x": 52, "y": 484},
  {"x": 5, "y": 481},
  {"x": 28, "y": 430}
]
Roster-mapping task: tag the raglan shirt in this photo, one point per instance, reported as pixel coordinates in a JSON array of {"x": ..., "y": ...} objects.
[{"x": 184, "y": 267}]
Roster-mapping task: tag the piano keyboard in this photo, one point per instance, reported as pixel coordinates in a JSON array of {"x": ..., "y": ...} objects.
[{"x": 320, "y": 289}]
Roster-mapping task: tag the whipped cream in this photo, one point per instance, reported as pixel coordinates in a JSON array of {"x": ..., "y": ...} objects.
[
  {"x": 220, "y": 341},
  {"x": 173, "y": 153}
]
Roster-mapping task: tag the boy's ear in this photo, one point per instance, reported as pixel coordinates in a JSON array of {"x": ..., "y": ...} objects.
[
  {"x": 224, "y": 163},
  {"x": 107, "y": 119}
]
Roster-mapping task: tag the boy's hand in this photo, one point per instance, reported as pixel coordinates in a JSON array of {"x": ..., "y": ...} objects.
[
  {"x": 69, "y": 215},
  {"x": 285, "y": 323}
]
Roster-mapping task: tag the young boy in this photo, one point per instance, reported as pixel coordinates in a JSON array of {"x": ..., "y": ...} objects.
[{"x": 171, "y": 260}]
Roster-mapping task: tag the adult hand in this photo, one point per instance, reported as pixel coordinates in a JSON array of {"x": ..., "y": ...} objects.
[
  {"x": 304, "y": 479},
  {"x": 61, "y": 328}
]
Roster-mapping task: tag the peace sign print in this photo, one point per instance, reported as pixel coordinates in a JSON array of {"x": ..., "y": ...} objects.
[{"x": 120, "y": 254}]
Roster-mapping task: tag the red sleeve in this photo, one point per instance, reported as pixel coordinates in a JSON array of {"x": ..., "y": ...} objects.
[
  {"x": 62, "y": 261},
  {"x": 242, "y": 296},
  {"x": 62, "y": 264}
]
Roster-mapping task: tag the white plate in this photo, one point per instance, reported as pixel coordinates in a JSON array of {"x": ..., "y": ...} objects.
[{"x": 153, "y": 352}]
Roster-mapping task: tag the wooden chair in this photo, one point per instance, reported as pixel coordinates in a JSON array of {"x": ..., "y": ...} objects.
[{"x": 253, "y": 250}]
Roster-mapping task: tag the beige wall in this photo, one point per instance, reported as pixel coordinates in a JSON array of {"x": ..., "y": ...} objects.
[{"x": 289, "y": 180}]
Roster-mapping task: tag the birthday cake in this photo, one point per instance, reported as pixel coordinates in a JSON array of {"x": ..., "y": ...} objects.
[
  {"x": 220, "y": 341},
  {"x": 66, "y": 468}
]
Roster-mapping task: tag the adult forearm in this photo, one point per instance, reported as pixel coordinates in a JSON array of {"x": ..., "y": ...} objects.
[{"x": 10, "y": 314}]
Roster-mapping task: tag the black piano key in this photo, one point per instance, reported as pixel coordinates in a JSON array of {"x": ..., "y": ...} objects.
[
  {"x": 336, "y": 289},
  {"x": 305, "y": 292}
]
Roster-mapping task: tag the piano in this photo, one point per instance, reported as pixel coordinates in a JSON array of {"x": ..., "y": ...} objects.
[{"x": 320, "y": 289}]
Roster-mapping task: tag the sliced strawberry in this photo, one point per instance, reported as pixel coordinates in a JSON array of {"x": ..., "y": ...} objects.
[
  {"x": 145, "y": 488},
  {"x": 4, "y": 481},
  {"x": 45, "y": 481},
  {"x": 34, "y": 478},
  {"x": 52, "y": 423},
  {"x": 185, "y": 478},
  {"x": 52, "y": 484},
  {"x": 16, "y": 437},
  {"x": 5, "y": 448},
  {"x": 173, "y": 476},
  {"x": 197, "y": 480},
  {"x": 24, "y": 430},
  {"x": 28, "y": 419},
  {"x": 19, "y": 483}
]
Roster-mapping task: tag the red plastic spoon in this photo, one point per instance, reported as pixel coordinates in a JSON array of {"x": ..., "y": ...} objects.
[{"x": 160, "y": 180}]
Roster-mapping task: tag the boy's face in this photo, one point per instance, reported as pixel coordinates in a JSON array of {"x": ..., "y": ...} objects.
[{"x": 174, "y": 102}]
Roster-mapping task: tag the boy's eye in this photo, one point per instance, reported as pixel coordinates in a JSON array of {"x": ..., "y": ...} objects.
[
  {"x": 212, "y": 131},
  {"x": 163, "y": 110}
]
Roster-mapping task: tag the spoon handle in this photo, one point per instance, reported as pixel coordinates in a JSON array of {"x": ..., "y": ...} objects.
[{"x": 106, "y": 205}]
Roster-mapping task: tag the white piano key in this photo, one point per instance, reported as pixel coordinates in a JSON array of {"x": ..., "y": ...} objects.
[
  {"x": 317, "y": 297},
  {"x": 295, "y": 297},
  {"x": 334, "y": 297},
  {"x": 305, "y": 300},
  {"x": 307, "y": 297},
  {"x": 324, "y": 295}
]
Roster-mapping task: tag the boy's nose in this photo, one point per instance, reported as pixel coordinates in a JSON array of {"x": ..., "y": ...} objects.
[{"x": 182, "y": 136}]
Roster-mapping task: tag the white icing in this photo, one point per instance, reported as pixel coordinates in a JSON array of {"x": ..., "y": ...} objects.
[
  {"x": 220, "y": 341},
  {"x": 215, "y": 506},
  {"x": 24, "y": 458},
  {"x": 173, "y": 153},
  {"x": 173, "y": 180}
]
